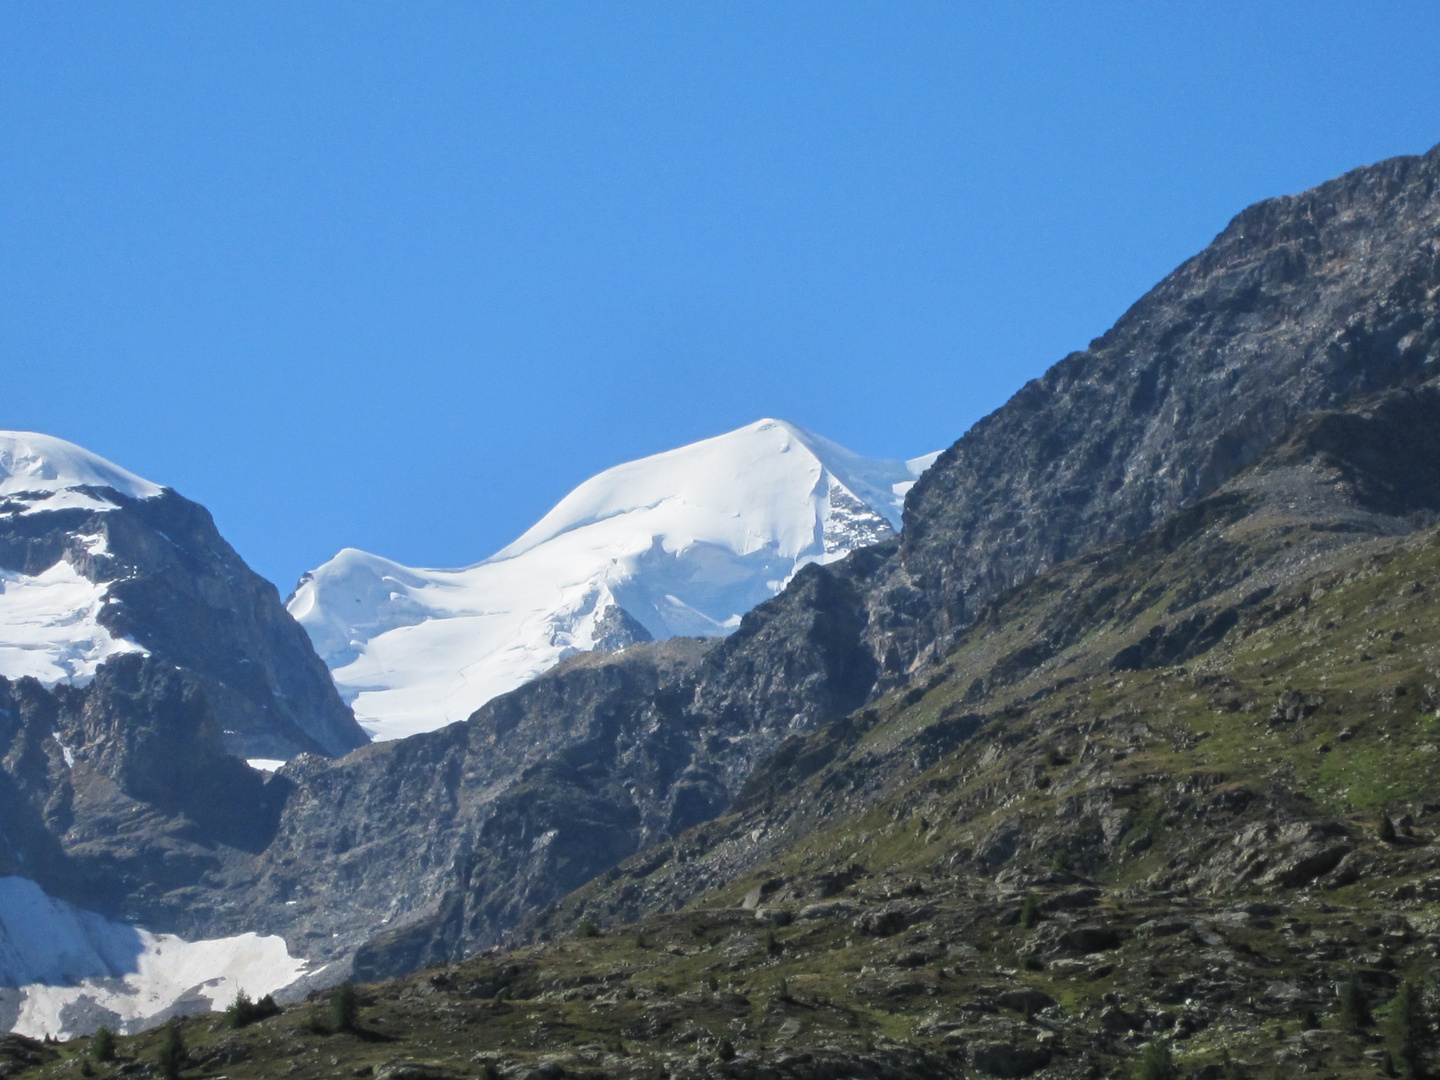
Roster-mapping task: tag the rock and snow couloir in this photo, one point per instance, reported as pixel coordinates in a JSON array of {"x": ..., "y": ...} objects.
[{"x": 680, "y": 543}]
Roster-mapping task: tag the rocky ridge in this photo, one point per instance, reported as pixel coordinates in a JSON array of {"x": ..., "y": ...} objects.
[{"x": 175, "y": 589}]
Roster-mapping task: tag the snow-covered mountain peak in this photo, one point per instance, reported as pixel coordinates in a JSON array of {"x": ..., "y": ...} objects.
[
  {"x": 742, "y": 489},
  {"x": 42, "y": 472},
  {"x": 681, "y": 542},
  {"x": 50, "y": 621}
]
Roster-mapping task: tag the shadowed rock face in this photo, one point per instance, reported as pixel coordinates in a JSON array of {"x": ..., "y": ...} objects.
[
  {"x": 121, "y": 796},
  {"x": 180, "y": 591}
]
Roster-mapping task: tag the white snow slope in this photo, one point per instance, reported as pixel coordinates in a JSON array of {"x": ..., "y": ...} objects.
[
  {"x": 48, "y": 622},
  {"x": 64, "y": 971},
  {"x": 686, "y": 542},
  {"x": 41, "y": 472}
]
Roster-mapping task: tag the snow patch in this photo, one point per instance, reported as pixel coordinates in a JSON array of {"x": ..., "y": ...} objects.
[
  {"x": 685, "y": 542},
  {"x": 65, "y": 751},
  {"x": 65, "y": 971},
  {"x": 50, "y": 628},
  {"x": 265, "y": 764}
]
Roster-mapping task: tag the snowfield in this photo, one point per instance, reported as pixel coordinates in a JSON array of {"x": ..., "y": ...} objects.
[
  {"x": 684, "y": 542},
  {"x": 50, "y": 629},
  {"x": 65, "y": 972}
]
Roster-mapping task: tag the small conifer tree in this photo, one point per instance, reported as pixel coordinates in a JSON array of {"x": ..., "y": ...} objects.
[
  {"x": 1156, "y": 1062},
  {"x": 345, "y": 1006},
  {"x": 1030, "y": 912},
  {"x": 1386, "y": 829},
  {"x": 102, "y": 1047},
  {"x": 1405, "y": 1030},
  {"x": 237, "y": 1013},
  {"x": 1354, "y": 1009},
  {"x": 171, "y": 1058}
]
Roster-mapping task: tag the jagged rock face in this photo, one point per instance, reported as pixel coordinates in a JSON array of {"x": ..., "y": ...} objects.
[
  {"x": 477, "y": 824},
  {"x": 1320, "y": 512},
  {"x": 1302, "y": 303},
  {"x": 121, "y": 795},
  {"x": 180, "y": 592}
]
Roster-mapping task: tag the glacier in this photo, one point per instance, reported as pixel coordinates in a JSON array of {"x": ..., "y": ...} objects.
[{"x": 679, "y": 543}]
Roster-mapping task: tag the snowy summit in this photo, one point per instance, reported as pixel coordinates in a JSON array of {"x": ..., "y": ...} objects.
[
  {"x": 49, "y": 621},
  {"x": 684, "y": 542},
  {"x": 40, "y": 473}
]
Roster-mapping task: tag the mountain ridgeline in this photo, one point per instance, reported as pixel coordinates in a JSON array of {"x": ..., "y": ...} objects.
[
  {"x": 1087, "y": 585},
  {"x": 1303, "y": 304}
]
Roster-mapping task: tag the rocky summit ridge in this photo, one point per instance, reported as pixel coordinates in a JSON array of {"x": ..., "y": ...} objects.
[{"x": 1119, "y": 757}]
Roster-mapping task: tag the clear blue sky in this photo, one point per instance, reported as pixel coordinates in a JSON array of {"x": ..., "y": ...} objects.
[{"x": 397, "y": 276}]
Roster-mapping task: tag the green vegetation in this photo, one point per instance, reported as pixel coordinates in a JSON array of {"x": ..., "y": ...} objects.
[
  {"x": 1406, "y": 1031},
  {"x": 1156, "y": 1062},
  {"x": 242, "y": 1011},
  {"x": 345, "y": 1006},
  {"x": 102, "y": 1045},
  {"x": 1386, "y": 829},
  {"x": 171, "y": 1058},
  {"x": 1355, "y": 1014},
  {"x": 1030, "y": 912}
]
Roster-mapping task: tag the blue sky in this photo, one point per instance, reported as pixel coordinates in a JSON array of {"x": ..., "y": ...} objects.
[{"x": 397, "y": 276}]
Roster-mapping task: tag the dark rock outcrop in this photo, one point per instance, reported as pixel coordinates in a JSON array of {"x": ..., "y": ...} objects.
[{"x": 179, "y": 590}]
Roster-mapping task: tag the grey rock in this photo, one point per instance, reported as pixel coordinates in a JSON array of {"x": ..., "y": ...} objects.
[{"x": 1007, "y": 1059}]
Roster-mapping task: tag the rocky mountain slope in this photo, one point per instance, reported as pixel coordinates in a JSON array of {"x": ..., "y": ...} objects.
[
  {"x": 96, "y": 562},
  {"x": 1302, "y": 304},
  {"x": 1198, "y": 827},
  {"x": 142, "y": 660},
  {"x": 680, "y": 543},
  {"x": 1150, "y": 647}
]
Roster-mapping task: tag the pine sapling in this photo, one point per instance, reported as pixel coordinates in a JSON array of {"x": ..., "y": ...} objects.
[
  {"x": 345, "y": 1006},
  {"x": 1386, "y": 829},
  {"x": 171, "y": 1058},
  {"x": 1156, "y": 1063},
  {"x": 1405, "y": 1030},
  {"x": 1355, "y": 1014},
  {"x": 102, "y": 1047},
  {"x": 1030, "y": 912}
]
